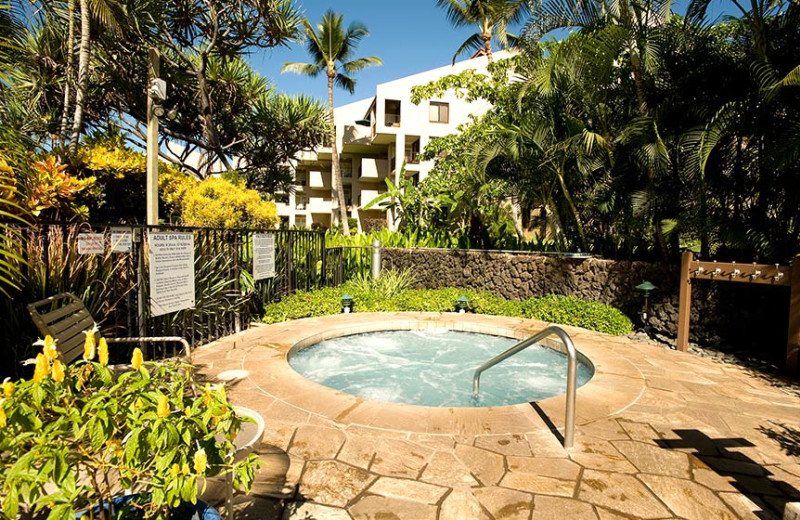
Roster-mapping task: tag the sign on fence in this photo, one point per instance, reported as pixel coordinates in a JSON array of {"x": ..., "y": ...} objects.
[
  {"x": 121, "y": 240},
  {"x": 91, "y": 243},
  {"x": 263, "y": 256},
  {"x": 171, "y": 272}
]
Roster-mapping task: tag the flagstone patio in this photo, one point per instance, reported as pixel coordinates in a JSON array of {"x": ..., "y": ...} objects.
[{"x": 661, "y": 434}]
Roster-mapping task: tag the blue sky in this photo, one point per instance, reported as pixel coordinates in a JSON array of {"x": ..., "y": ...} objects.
[{"x": 410, "y": 36}]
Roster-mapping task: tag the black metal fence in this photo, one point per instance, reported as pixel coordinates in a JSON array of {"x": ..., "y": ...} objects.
[
  {"x": 344, "y": 263},
  {"x": 114, "y": 286}
]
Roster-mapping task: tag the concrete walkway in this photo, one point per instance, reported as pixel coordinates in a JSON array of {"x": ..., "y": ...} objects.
[{"x": 661, "y": 434}]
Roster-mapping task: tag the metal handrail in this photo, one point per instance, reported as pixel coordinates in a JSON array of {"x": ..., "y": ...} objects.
[{"x": 572, "y": 373}]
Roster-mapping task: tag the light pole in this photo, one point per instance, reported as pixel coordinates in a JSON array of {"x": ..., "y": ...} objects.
[{"x": 156, "y": 93}]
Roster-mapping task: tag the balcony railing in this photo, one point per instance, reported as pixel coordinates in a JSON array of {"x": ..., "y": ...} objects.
[{"x": 392, "y": 119}]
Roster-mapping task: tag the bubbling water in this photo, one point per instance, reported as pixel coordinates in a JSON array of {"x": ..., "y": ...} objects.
[{"x": 435, "y": 368}]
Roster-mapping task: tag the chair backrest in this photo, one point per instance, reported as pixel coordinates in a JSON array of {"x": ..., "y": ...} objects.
[{"x": 65, "y": 318}]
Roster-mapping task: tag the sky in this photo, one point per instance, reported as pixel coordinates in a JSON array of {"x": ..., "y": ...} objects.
[{"x": 410, "y": 36}]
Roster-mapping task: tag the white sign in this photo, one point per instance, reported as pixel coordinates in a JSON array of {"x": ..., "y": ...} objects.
[
  {"x": 91, "y": 243},
  {"x": 121, "y": 240},
  {"x": 171, "y": 272},
  {"x": 263, "y": 256}
]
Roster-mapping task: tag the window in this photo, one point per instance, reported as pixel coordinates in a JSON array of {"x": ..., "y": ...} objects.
[
  {"x": 439, "y": 112},
  {"x": 392, "y": 113},
  {"x": 300, "y": 221},
  {"x": 348, "y": 195}
]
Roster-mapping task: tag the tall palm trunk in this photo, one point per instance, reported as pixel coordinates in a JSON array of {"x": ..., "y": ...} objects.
[
  {"x": 487, "y": 45},
  {"x": 83, "y": 77},
  {"x": 336, "y": 173},
  {"x": 62, "y": 133}
]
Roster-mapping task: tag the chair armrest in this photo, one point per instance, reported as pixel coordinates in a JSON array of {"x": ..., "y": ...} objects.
[{"x": 155, "y": 339}]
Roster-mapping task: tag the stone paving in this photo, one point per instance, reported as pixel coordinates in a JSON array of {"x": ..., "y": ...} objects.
[{"x": 661, "y": 435}]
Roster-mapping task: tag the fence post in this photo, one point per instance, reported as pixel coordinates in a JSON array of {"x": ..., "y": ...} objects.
[
  {"x": 684, "y": 302},
  {"x": 793, "y": 344},
  {"x": 376, "y": 259},
  {"x": 237, "y": 318},
  {"x": 289, "y": 254},
  {"x": 140, "y": 303}
]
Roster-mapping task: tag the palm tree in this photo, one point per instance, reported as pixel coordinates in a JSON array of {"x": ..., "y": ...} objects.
[
  {"x": 331, "y": 48},
  {"x": 104, "y": 12},
  {"x": 492, "y": 18}
]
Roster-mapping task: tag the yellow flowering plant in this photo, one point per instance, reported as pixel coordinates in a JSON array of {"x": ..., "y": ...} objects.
[{"x": 75, "y": 436}]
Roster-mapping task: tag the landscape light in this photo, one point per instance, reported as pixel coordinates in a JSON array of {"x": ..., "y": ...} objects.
[
  {"x": 645, "y": 287},
  {"x": 347, "y": 303},
  {"x": 461, "y": 304}
]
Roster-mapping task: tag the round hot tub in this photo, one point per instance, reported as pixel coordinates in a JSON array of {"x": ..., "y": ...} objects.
[{"x": 433, "y": 367}]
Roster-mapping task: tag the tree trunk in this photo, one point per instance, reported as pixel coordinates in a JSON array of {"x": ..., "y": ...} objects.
[
  {"x": 335, "y": 172},
  {"x": 62, "y": 133},
  {"x": 206, "y": 114},
  {"x": 487, "y": 46},
  {"x": 83, "y": 77}
]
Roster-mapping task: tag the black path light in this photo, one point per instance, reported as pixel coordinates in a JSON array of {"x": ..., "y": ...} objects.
[
  {"x": 462, "y": 304},
  {"x": 645, "y": 287}
]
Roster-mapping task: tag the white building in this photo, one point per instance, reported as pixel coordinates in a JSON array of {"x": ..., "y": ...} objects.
[{"x": 375, "y": 136}]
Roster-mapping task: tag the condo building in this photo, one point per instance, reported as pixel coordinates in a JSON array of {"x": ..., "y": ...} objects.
[{"x": 376, "y": 137}]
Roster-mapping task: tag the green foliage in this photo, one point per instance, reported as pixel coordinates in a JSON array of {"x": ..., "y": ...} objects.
[
  {"x": 216, "y": 202},
  {"x": 562, "y": 310},
  {"x": 152, "y": 427},
  {"x": 630, "y": 139},
  {"x": 387, "y": 285},
  {"x": 568, "y": 310}
]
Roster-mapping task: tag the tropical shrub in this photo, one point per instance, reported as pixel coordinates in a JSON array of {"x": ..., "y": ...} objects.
[
  {"x": 216, "y": 202},
  {"x": 389, "y": 284},
  {"x": 557, "y": 309},
  {"x": 74, "y": 435},
  {"x": 569, "y": 310},
  {"x": 50, "y": 190}
]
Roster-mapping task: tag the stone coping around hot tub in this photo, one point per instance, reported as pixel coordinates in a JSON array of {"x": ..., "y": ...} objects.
[{"x": 615, "y": 386}]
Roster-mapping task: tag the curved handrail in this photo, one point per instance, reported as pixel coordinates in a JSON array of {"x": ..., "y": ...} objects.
[{"x": 572, "y": 373}]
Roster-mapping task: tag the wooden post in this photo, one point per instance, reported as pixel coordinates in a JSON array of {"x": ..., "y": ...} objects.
[
  {"x": 793, "y": 344},
  {"x": 685, "y": 302}
]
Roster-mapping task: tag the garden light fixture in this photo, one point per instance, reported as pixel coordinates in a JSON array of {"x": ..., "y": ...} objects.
[
  {"x": 347, "y": 303},
  {"x": 461, "y": 304},
  {"x": 645, "y": 287}
]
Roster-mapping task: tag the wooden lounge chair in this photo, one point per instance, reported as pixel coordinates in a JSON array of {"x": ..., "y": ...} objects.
[{"x": 65, "y": 318}]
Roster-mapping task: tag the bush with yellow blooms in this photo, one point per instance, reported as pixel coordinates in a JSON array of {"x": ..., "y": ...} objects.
[{"x": 74, "y": 435}]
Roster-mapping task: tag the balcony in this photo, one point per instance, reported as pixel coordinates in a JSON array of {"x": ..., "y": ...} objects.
[
  {"x": 368, "y": 196},
  {"x": 373, "y": 169},
  {"x": 319, "y": 180},
  {"x": 357, "y": 134},
  {"x": 319, "y": 205}
]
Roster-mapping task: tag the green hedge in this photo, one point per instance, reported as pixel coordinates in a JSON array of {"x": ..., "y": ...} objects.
[{"x": 564, "y": 310}]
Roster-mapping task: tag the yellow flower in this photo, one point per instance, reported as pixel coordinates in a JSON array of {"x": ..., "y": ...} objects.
[
  {"x": 42, "y": 368},
  {"x": 185, "y": 470},
  {"x": 200, "y": 461},
  {"x": 89, "y": 346},
  {"x": 102, "y": 352},
  {"x": 58, "y": 371},
  {"x": 137, "y": 359},
  {"x": 49, "y": 349},
  {"x": 163, "y": 406},
  {"x": 8, "y": 388},
  {"x": 3, "y": 419},
  {"x": 175, "y": 470},
  {"x": 207, "y": 395}
]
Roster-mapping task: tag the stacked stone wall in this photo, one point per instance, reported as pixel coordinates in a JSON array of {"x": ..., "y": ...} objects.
[{"x": 722, "y": 313}]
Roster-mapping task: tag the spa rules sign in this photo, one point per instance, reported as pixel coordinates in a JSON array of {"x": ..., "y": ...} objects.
[
  {"x": 263, "y": 256},
  {"x": 171, "y": 272}
]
